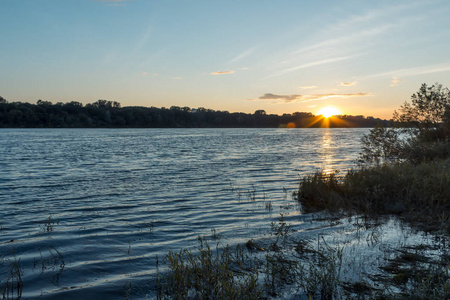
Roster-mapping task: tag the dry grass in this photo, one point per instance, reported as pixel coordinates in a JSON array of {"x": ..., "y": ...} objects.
[{"x": 419, "y": 193}]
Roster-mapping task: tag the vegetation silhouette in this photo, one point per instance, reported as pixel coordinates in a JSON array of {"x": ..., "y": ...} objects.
[
  {"x": 406, "y": 169},
  {"x": 110, "y": 114}
]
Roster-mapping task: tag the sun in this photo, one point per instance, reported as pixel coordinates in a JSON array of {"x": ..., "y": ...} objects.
[{"x": 329, "y": 111}]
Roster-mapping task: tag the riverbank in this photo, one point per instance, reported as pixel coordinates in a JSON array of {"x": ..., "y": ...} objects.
[
  {"x": 418, "y": 193},
  {"x": 379, "y": 232}
]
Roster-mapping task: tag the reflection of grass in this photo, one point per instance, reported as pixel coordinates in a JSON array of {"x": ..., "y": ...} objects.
[{"x": 419, "y": 193}]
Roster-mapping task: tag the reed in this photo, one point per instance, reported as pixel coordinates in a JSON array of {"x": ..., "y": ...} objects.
[
  {"x": 209, "y": 274},
  {"x": 419, "y": 193}
]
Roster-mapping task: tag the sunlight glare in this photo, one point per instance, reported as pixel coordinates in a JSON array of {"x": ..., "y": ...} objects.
[{"x": 329, "y": 111}]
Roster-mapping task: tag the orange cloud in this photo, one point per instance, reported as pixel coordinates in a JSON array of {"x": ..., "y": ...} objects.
[
  {"x": 222, "y": 72},
  {"x": 348, "y": 83},
  {"x": 395, "y": 81}
]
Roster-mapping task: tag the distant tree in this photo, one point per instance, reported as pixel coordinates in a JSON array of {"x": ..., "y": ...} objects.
[
  {"x": 42, "y": 102},
  {"x": 74, "y": 104},
  {"x": 303, "y": 115},
  {"x": 3, "y": 100},
  {"x": 260, "y": 112},
  {"x": 101, "y": 103}
]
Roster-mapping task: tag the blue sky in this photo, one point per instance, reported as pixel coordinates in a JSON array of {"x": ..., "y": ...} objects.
[{"x": 363, "y": 57}]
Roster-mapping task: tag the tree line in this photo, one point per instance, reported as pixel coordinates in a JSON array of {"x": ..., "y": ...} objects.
[{"x": 110, "y": 114}]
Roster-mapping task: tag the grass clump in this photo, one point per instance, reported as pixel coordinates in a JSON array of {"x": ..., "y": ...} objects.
[
  {"x": 419, "y": 193},
  {"x": 208, "y": 274}
]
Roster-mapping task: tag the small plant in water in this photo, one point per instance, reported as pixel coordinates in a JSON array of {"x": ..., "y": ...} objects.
[
  {"x": 49, "y": 224},
  {"x": 214, "y": 234},
  {"x": 280, "y": 228},
  {"x": 127, "y": 290},
  {"x": 12, "y": 286}
]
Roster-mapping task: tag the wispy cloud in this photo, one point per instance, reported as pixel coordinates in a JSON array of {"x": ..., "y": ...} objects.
[
  {"x": 143, "y": 73},
  {"x": 306, "y": 98},
  {"x": 395, "y": 81},
  {"x": 177, "y": 78},
  {"x": 308, "y": 87},
  {"x": 348, "y": 83},
  {"x": 221, "y": 72},
  {"x": 368, "y": 24},
  {"x": 313, "y": 64},
  {"x": 414, "y": 71},
  {"x": 242, "y": 55},
  {"x": 345, "y": 39}
]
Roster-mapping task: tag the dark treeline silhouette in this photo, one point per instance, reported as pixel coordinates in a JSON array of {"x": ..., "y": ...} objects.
[{"x": 109, "y": 114}]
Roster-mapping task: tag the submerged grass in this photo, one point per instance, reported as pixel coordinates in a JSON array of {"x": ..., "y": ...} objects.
[
  {"x": 419, "y": 193},
  {"x": 250, "y": 272},
  {"x": 209, "y": 274}
]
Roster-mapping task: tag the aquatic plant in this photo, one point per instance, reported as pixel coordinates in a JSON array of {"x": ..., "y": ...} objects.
[
  {"x": 11, "y": 280},
  {"x": 208, "y": 274}
]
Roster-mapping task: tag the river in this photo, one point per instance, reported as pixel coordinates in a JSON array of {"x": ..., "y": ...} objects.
[{"x": 84, "y": 212}]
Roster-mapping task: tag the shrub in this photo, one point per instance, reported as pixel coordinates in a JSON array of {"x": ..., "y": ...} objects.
[{"x": 422, "y": 133}]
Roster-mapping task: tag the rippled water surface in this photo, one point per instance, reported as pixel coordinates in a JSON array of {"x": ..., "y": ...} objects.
[{"x": 86, "y": 211}]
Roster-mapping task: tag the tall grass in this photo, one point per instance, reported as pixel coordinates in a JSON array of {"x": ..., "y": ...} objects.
[
  {"x": 209, "y": 274},
  {"x": 419, "y": 193}
]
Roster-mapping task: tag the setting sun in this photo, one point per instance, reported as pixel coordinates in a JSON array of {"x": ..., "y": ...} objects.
[{"x": 329, "y": 111}]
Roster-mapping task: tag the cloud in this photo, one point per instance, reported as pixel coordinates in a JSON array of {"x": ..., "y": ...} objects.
[
  {"x": 222, "y": 72},
  {"x": 308, "y": 87},
  {"x": 285, "y": 98},
  {"x": 242, "y": 55},
  {"x": 344, "y": 39},
  {"x": 348, "y": 83},
  {"x": 395, "y": 81},
  {"x": 307, "y": 98},
  {"x": 143, "y": 73},
  {"x": 313, "y": 64},
  {"x": 177, "y": 78},
  {"x": 414, "y": 71}
]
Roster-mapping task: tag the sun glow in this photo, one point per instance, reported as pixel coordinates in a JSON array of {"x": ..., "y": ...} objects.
[{"x": 329, "y": 111}]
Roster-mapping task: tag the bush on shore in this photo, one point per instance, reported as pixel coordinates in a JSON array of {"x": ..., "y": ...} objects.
[{"x": 407, "y": 170}]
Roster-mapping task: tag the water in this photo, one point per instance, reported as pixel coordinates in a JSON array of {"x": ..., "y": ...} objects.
[{"x": 86, "y": 211}]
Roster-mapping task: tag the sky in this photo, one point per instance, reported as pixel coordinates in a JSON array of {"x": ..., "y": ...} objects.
[{"x": 362, "y": 57}]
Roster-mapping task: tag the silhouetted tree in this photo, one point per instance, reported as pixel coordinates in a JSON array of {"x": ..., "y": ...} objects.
[{"x": 424, "y": 127}]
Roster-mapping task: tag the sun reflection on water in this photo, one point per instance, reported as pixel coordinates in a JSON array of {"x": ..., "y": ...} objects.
[{"x": 327, "y": 152}]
